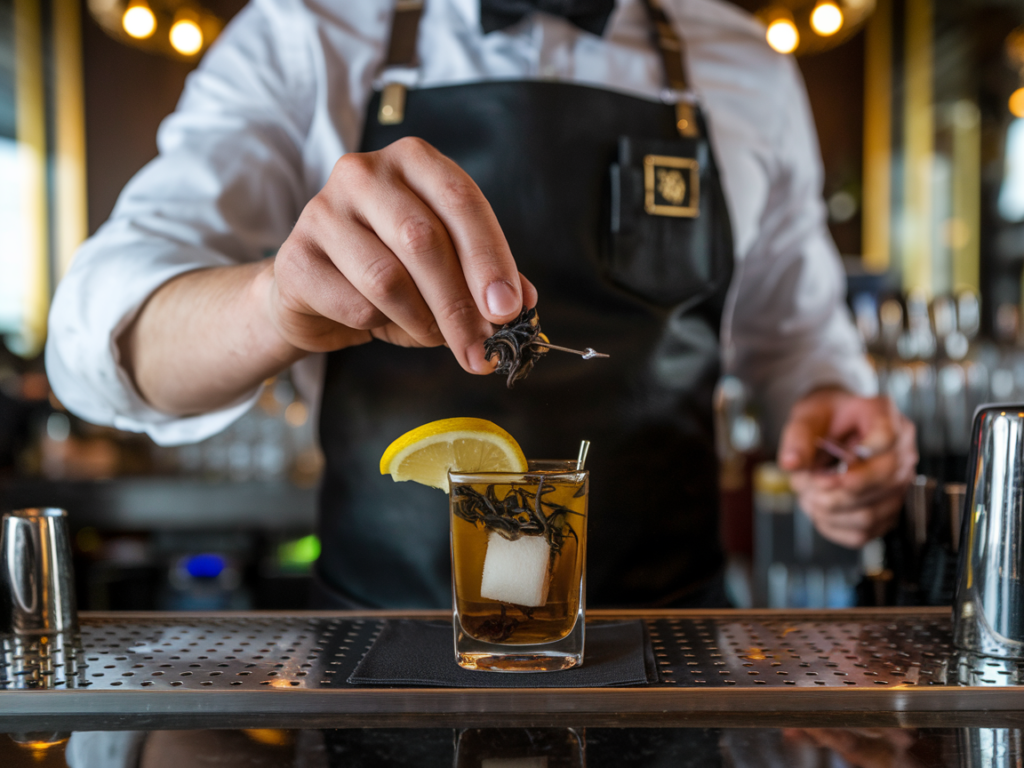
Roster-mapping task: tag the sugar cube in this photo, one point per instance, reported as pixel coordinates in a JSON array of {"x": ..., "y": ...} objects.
[{"x": 516, "y": 571}]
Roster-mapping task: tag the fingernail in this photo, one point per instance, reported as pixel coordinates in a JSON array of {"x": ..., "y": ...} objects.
[{"x": 502, "y": 298}]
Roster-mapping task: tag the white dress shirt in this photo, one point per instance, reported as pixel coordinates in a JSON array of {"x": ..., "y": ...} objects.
[{"x": 282, "y": 95}]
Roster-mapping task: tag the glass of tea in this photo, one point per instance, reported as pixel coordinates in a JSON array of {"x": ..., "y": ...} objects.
[{"x": 519, "y": 544}]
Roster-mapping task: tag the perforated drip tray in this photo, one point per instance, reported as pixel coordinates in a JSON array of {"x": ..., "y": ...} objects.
[
  {"x": 141, "y": 665},
  {"x": 787, "y": 652},
  {"x": 224, "y": 653}
]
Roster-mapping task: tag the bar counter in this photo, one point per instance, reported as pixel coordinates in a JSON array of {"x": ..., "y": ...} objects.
[{"x": 826, "y": 678}]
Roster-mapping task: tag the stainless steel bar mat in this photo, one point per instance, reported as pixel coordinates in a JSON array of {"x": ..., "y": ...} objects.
[{"x": 285, "y": 663}]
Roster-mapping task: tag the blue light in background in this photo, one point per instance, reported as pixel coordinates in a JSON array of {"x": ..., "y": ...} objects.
[{"x": 206, "y": 566}]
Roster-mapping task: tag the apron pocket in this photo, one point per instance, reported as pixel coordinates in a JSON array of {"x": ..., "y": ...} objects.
[{"x": 664, "y": 208}]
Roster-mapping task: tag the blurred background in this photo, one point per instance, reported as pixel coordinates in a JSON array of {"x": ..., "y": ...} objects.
[{"x": 919, "y": 106}]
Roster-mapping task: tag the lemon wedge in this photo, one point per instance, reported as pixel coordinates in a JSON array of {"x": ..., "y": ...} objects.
[{"x": 425, "y": 454}]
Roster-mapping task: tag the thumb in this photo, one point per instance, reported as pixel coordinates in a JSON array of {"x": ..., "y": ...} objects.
[
  {"x": 796, "y": 448},
  {"x": 878, "y": 423},
  {"x": 808, "y": 421}
]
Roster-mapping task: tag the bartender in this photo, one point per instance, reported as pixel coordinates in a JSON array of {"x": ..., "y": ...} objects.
[{"x": 361, "y": 193}]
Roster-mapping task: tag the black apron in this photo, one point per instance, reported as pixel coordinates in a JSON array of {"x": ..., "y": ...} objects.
[{"x": 631, "y": 259}]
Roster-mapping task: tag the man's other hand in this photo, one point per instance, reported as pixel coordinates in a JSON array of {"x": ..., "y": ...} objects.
[{"x": 859, "y": 504}]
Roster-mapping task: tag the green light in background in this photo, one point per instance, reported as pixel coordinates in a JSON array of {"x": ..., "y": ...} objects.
[{"x": 299, "y": 554}]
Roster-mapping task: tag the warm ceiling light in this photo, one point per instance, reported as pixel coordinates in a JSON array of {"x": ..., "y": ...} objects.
[
  {"x": 782, "y": 36},
  {"x": 138, "y": 21},
  {"x": 826, "y": 18},
  {"x": 186, "y": 37},
  {"x": 1017, "y": 103}
]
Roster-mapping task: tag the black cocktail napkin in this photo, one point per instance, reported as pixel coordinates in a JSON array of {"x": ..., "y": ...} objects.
[{"x": 421, "y": 653}]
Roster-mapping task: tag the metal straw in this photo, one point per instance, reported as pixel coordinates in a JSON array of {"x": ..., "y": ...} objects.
[{"x": 582, "y": 458}]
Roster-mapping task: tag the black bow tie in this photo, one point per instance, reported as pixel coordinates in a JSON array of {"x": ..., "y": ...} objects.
[{"x": 591, "y": 15}]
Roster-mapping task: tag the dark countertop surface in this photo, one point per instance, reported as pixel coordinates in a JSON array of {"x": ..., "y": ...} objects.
[{"x": 527, "y": 748}]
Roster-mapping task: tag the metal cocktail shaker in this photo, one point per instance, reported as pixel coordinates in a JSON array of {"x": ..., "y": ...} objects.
[
  {"x": 37, "y": 589},
  {"x": 988, "y": 609}
]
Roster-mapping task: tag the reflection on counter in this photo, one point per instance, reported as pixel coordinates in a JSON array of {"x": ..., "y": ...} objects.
[
  {"x": 520, "y": 748},
  {"x": 524, "y": 748}
]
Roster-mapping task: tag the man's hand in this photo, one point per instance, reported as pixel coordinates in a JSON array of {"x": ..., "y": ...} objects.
[
  {"x": 399, "y": 245},
  {"x": 862, "y": 503}
]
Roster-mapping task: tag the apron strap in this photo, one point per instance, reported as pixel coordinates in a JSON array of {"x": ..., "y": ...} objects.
[
  {"x": 402, "y": 53},
  {"x": 404, "y": 30},
  {"x": 664, "y": 36}
]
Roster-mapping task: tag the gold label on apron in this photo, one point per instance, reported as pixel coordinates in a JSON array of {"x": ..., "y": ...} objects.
[{"x": 671, "y": 186}]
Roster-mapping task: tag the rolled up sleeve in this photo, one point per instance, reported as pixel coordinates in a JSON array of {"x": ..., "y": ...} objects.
[
  {"x": 226, "y": 188},
  {"x": 791, "y": 331}
]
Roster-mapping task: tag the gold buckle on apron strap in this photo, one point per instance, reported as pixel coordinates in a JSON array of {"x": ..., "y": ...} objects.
[
  {"x": 686, "y": 120},
  {"x": 392, "y": 104},
  {"x": 671, "y": 186},
  {"x": 401, "y": 53}
]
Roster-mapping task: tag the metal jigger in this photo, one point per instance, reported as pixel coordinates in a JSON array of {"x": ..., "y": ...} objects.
[
  {"x": 988, "y": 610},
  {"x": 37, "y": 589}
]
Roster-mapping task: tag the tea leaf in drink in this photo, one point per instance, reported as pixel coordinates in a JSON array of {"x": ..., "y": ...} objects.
[{"x": 516, "y": 514}]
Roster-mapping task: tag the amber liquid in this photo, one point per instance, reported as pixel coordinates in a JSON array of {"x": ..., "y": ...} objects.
[{"x": 498, "y": 622}]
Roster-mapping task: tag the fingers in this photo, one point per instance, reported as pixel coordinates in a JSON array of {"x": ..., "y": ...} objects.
[
  {"x": 487, "y": 263},
  {"x": 848, "y": 519},
  {"x": 854, "y": 528},
  {"x": 853, "y": 507},
  {"x": 796, "y": 449},
  {"x": 400, "y": 245},
  {"x": 360, "y": 293},
  {"x": 529, "y": 292},
  {"x": 840, "y": 417},
  {"x": 313, "y": 306},
  {"x": 865, "y": 482},
  {"x": 809, "y": 419},
  {"x": 867, "y": 422},
  {"x": 413, "y": 276},
  {"x": 422, "y": 250}
]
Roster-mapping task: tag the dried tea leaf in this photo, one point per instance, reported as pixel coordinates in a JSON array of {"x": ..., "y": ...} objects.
[{"x": 513, "y": 345}]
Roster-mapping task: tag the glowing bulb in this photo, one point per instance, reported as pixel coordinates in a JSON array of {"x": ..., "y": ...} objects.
[
  {"x": 295, "y": 414},
  {"x": 139, "y": 21},
  {"x": 186, "y": 37},
  {"x": 826, "y": 18},
  {"x": 782, "y": 36},
  {"x": 1017, "y": 103}
]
